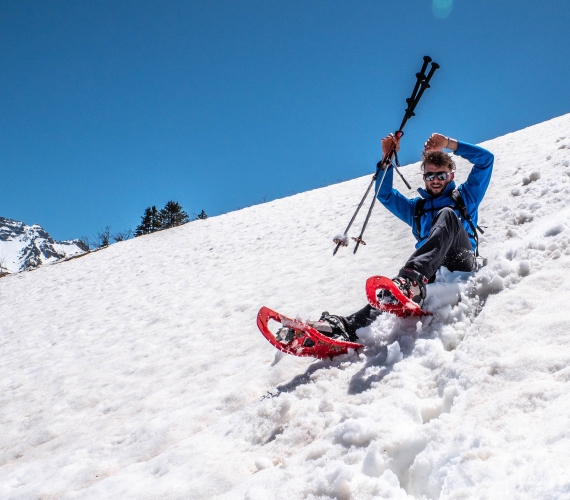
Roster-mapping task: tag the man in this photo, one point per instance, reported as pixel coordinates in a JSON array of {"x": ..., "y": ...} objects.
[{"x": 445, "y": 234}]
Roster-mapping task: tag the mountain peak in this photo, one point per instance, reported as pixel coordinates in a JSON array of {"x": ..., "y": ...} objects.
[{"x": 23, "y": 247}]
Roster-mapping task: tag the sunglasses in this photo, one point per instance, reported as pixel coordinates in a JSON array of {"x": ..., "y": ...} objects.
[{"x": 441, "y": 176}]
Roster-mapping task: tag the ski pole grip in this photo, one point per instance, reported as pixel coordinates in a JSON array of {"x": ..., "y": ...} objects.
[
  {"x": 433, "y": 68},
  {"x": 421, "y": 75}
]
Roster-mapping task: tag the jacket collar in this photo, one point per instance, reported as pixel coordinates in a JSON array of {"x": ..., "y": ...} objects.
[{"x": 424, "y": 194}]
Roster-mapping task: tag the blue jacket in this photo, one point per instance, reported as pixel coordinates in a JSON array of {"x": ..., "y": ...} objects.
[{"x": 472, "y": 191}]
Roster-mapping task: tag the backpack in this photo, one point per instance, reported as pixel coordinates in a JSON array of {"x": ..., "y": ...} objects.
[{"x": 459, "y": 206}]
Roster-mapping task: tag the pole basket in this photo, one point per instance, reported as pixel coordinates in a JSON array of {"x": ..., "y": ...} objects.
[
  {"x": 359, "y": 241},
  {"x": 341, "y": 239}
]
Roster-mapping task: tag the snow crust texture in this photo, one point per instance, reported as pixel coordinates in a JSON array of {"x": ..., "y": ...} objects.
[{"x": 138, "y": 371}]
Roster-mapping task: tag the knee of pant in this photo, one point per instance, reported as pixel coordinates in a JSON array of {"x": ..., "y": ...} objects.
[{"x": 447, "y": 214}]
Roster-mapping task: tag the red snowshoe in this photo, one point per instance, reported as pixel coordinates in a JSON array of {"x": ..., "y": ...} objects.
[
  {"x": 299, "y": 338},
  {"x": 398, "y": 304}
]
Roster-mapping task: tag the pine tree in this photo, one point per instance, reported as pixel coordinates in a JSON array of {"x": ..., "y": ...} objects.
[
  {"x": 201, "y": 215},
  {"x": 172, "y": 215},
  {"x": 151, "y": 221}
]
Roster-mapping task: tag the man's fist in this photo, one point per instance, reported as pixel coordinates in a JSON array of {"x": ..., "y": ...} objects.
[{"x": 388, "y": 143}]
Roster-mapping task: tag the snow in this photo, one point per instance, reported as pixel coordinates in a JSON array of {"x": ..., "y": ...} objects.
[
  {"x": 138, "y": 371},
  {"x": 10, "y": 255}
]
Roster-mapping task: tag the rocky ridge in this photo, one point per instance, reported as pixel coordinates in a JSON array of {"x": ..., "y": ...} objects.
[{"x": 23, "y": 247}]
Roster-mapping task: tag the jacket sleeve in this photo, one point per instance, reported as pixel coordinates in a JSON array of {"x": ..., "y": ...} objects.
[
  {"x": 393, "y": 200},
  {"x": 474, "y": 188}
]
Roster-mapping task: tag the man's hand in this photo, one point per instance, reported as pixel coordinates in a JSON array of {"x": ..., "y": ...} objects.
[
  {"x": 437, "y": 142},
  {"x": 388, "y": 143}
]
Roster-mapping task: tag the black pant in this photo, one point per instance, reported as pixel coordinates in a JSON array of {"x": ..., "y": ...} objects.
[{"x": 448, "y": 245}]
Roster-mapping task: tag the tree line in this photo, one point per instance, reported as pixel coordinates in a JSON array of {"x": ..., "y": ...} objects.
[{"x": 152, "y": 220}]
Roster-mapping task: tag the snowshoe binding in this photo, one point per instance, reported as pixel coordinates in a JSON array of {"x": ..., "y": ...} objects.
[{"x": 335, "y": 327}]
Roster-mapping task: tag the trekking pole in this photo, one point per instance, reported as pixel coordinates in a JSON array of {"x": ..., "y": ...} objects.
[
  {"x": 422, "y": 83},
  {"x": 343, "y": 240},
  {"x": 387, "y": 161},
  {"x": 359, "y": 240},
  {"x": 419, "y": 77},
  {"x": 397, "y": 168},
  {"x": 411, "y": 101}
]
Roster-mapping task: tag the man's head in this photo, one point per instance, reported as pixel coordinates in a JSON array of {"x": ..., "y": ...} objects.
[{"x": 437, "y": 168}]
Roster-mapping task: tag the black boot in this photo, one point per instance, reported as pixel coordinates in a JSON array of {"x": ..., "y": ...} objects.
[
  {"x": 411, "y": 283},
  {"x": 336, "y": 327}
]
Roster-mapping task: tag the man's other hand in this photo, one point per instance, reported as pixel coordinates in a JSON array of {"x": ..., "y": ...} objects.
[{"x": 437, "y": 142}]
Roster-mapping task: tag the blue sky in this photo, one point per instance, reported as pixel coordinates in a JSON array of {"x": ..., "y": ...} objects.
[{"x": 108, "y": 107}]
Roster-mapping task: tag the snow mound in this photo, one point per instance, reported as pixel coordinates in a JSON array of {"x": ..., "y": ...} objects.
[{"x": 138, "y": 371}]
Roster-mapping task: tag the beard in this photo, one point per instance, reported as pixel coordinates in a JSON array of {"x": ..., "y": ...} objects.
[{"x": 435, "y": 195}]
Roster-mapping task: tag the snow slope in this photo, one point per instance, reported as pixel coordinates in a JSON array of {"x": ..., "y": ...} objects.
[{"x": 138, "y": 371}]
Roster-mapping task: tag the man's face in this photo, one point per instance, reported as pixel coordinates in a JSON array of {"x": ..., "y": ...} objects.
[{"x": 436, "y": 186}]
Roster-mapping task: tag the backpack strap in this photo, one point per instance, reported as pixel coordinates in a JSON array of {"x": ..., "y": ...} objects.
[
  {"x": 460, "y": 204},
  {"x": 418, "y": 212}
]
